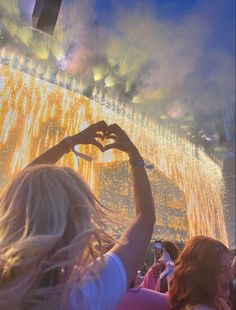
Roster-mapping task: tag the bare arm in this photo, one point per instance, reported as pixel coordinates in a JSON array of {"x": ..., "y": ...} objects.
[
  {"x": 135, "y": 239},
  {"x": 86, "y": 136},
  {"x": 51, "y": 156}
]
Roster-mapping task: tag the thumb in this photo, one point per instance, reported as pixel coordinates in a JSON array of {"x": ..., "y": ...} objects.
[
  {"x": 109, "y": 146},
  {"x": 99, "y": 145}
]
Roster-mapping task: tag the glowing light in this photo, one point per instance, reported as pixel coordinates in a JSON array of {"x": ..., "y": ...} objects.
[
  {"x": 25, "y": 35},
  {"x": 149, "y": 96},
  {"x": 56, "y": 50},
  {"x": 110, "y": 81},
  {"x": 99, "y": 72},
  {"x": 35, "y": 115},
  {"x": 136, "y": 99},
  {"x": 164, "y": 117}
]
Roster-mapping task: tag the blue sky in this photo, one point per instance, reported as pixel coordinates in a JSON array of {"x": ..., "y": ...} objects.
[{"x": 220, "y": 15}]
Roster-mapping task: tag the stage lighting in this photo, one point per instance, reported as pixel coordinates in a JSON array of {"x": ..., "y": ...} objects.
[{"x": 45, "y": 15}]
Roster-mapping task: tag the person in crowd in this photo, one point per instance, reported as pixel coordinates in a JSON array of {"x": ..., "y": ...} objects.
[
  {"x": 202, "y": 276},
  {"x": 233, "y": 285},
  {"x": 53, "y": 233},
  {"x": 140, "y": 298},
  {"x": 152, "y": 278},
  {"x": 144, "y": 299},
  {"x": 234, "y": 271}
]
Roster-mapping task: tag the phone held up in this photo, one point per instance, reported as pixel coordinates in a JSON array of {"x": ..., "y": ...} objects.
[{"x": 158, "y": 248}]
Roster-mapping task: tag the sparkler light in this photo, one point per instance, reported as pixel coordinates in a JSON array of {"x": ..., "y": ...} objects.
[{"x": 34, "y": 115}]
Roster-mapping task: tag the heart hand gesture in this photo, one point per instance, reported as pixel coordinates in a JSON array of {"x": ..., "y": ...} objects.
[
  {"x": 89, "y": 135},
  {"x": 121, "y": 141},
  {"x": 102, "y": 131}
]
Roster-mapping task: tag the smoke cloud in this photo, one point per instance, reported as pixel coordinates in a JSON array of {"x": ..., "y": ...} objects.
[{"x": 177, "y": 68}]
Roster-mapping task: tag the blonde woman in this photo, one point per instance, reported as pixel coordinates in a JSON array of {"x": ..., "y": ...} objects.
[{"x": 51, "y": 226}]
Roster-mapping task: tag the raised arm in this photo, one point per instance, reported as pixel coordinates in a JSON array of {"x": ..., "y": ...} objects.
[
  {"x": 87, "y": 136},
  {"x": 135, "y": 239}
]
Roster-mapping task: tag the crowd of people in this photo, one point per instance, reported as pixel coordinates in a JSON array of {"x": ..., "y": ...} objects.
[{"x": 56, "y": 252}]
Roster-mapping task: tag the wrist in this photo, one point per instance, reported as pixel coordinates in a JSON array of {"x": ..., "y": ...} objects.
[
  {"x": 75, "y": 140},
  {"x": 134, "y": 154},
  {"x": 67, "y": 144}
]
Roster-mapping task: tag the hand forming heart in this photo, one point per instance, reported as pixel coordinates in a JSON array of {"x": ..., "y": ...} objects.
[
  {"x": 103, "y": 140},
  {"x": 105, "y": 137},
  {"x": 110, "y": 137},
  {"x": 93, "y": 134}
]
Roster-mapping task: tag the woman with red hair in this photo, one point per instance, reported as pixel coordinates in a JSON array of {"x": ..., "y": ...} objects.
[{"x": 202, "y": 276}]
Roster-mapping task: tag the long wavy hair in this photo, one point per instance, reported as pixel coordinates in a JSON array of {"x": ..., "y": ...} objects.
[
  {"x": 194, "y": 280},
  {"x": 51, "y": 225}
]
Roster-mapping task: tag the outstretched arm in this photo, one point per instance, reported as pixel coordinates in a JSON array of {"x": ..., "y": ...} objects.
[
  {"x": 51, "y": 156},
  {"x": 135, "y": 239},
  {"x": 86, "y": 136}
]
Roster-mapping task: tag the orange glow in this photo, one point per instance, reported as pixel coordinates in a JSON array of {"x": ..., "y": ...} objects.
[{"x": 35, "y": 115}]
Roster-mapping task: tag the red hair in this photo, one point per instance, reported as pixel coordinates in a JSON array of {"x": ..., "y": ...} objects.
[{"x": 196, "y": 269}]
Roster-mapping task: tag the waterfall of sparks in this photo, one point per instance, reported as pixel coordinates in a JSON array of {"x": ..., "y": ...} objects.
[{"x": 35, "y": 115}]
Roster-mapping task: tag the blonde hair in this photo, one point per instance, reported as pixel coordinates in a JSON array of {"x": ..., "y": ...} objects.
[{"x": 50, "y": 225}]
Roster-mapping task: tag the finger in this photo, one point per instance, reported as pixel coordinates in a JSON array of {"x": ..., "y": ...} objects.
[
  {"x": 99, "y": 145},
  {"x": 100, "y": 126},
  {"x": 110, "y": 146},
  {"x": 115, "y": 128},
  {"x": 99, "y": 135},
  {"x": 111, "y": 136}
]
